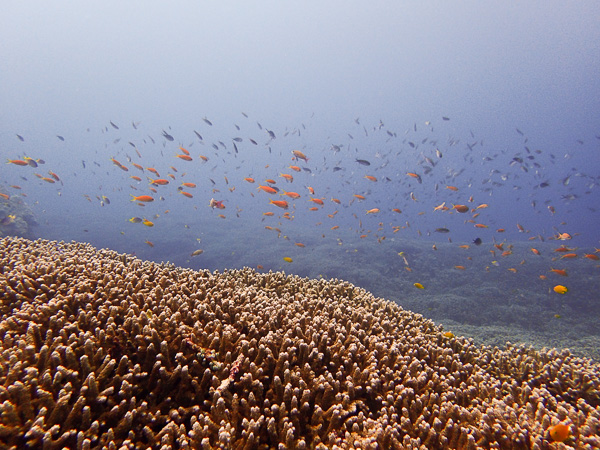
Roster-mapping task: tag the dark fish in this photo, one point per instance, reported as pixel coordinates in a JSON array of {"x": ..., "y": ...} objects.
[
  {"x": 445, "y": 118},
  {"x": 83, "y": 163},
  {"x": 215, "y": 147},
  {"x": 253, "y": 141},
  {"x": 519, "y": 131},
  {"x": 477, "y": 241},
  {"x": 235, "y": 148},
  {"x": 259, "y": 125},
  {"x": 335, "y": 169},
  {"x": 208, "y": 122},
  {"x": 412, "y": 144},
  {"x": 20, "y": 138},
  {"x": 244, "y": 114},
  {"x": 271, "y": 134},
  {"x": 442, "y": 230},
  {"x": 306, "y": 169},
  {"x": 133, "y": 124},
  {"x": 237, "y": 139},
  {"x": 167, "y": 136},
  {"x": 113, "y": 125},
  {"x": 237, "y": 127},
  {"x": 198, "y": 134},
  {"x": 363, "y": 162},
  {"x": 60, "y": 137},
  {"x": 544, "y": 184},
  {"x": 132, "y": 144}
]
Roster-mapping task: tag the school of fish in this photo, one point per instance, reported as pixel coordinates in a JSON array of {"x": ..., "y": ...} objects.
[{"x": 371, "y": 181}]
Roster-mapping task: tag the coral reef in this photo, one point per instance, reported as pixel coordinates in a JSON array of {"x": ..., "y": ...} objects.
[{"x": 100, "y": 349}]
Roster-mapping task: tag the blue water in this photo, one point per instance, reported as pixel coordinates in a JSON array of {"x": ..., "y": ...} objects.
[{"x": 385, "y": 252}]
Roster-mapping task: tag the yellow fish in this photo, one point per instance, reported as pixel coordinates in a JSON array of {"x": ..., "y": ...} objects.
[
  {"x": 448, "y": 334},
  {"x": 560, "y": 289},
  {"x": 287, "y": 259},
  {"x": 419, "y": 286},
  {"x": 148, "y": 223}
]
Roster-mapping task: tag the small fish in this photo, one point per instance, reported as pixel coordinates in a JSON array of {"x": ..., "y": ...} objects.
[
  {"x": 267, "y": 189},
  {"x": 560, "y": 289},
  {"x": 418, "y": 286},
  {"x": 148, "y": 223},
  {"x": 149, "y": 243},
  {"x": 288, "y": 259},
  {"x": 477, "y": 241},
  {"x": 216, "y": 204},
  {"x": 448, "y": 334},
  {"x": 299, "y": 155},
  {"x": 206, "y": 121},
  {"x": 461, "y": 208},
  {"x": 167, "y": 136},
  {"x": 141, "y": 198},
  {"x": 363, "y": 162},
  {"x": 17, "y": 162},
  {"x": 197, "y": 252},
  {"x": 280, "y": 203},
  {"x": 561, "y": 272},
  {"x": 135, "y": 220},
  {"x": 559, "y": 432},
  {"x": 442, "y": 230},
  {"x": 30, "y": 161}
]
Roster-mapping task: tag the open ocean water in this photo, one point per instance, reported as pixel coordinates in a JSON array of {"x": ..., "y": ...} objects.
[{"x": 374, "y": 203}]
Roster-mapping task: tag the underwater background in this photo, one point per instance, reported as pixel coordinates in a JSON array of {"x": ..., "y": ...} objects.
[{"x": 445, "y": 158}]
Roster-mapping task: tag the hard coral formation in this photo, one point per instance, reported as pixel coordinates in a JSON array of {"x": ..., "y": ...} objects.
[{"x": 103, "y": 350}]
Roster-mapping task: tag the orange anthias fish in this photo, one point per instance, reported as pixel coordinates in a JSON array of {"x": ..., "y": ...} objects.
[
  {"x": 293, "y": 195},
  {"x": 569, "y": 256},
  {"x": 318, "y": 201},
  {"x": 592, "y": 256},
  {"x": 299, "y": 155},
  {"x": 280, "y": 203},
  {"x": 249, "y": 180},
  {"x": 141, "y": 198},
  {"x": 17, "y": 162},
  {"x": 184, "y": 157},
  {"x": 561, "y": 272},
  {"x": 370, "y": 178},
  {"x": 267, "y": 189},
  {"x": 158, "y": 182}
]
